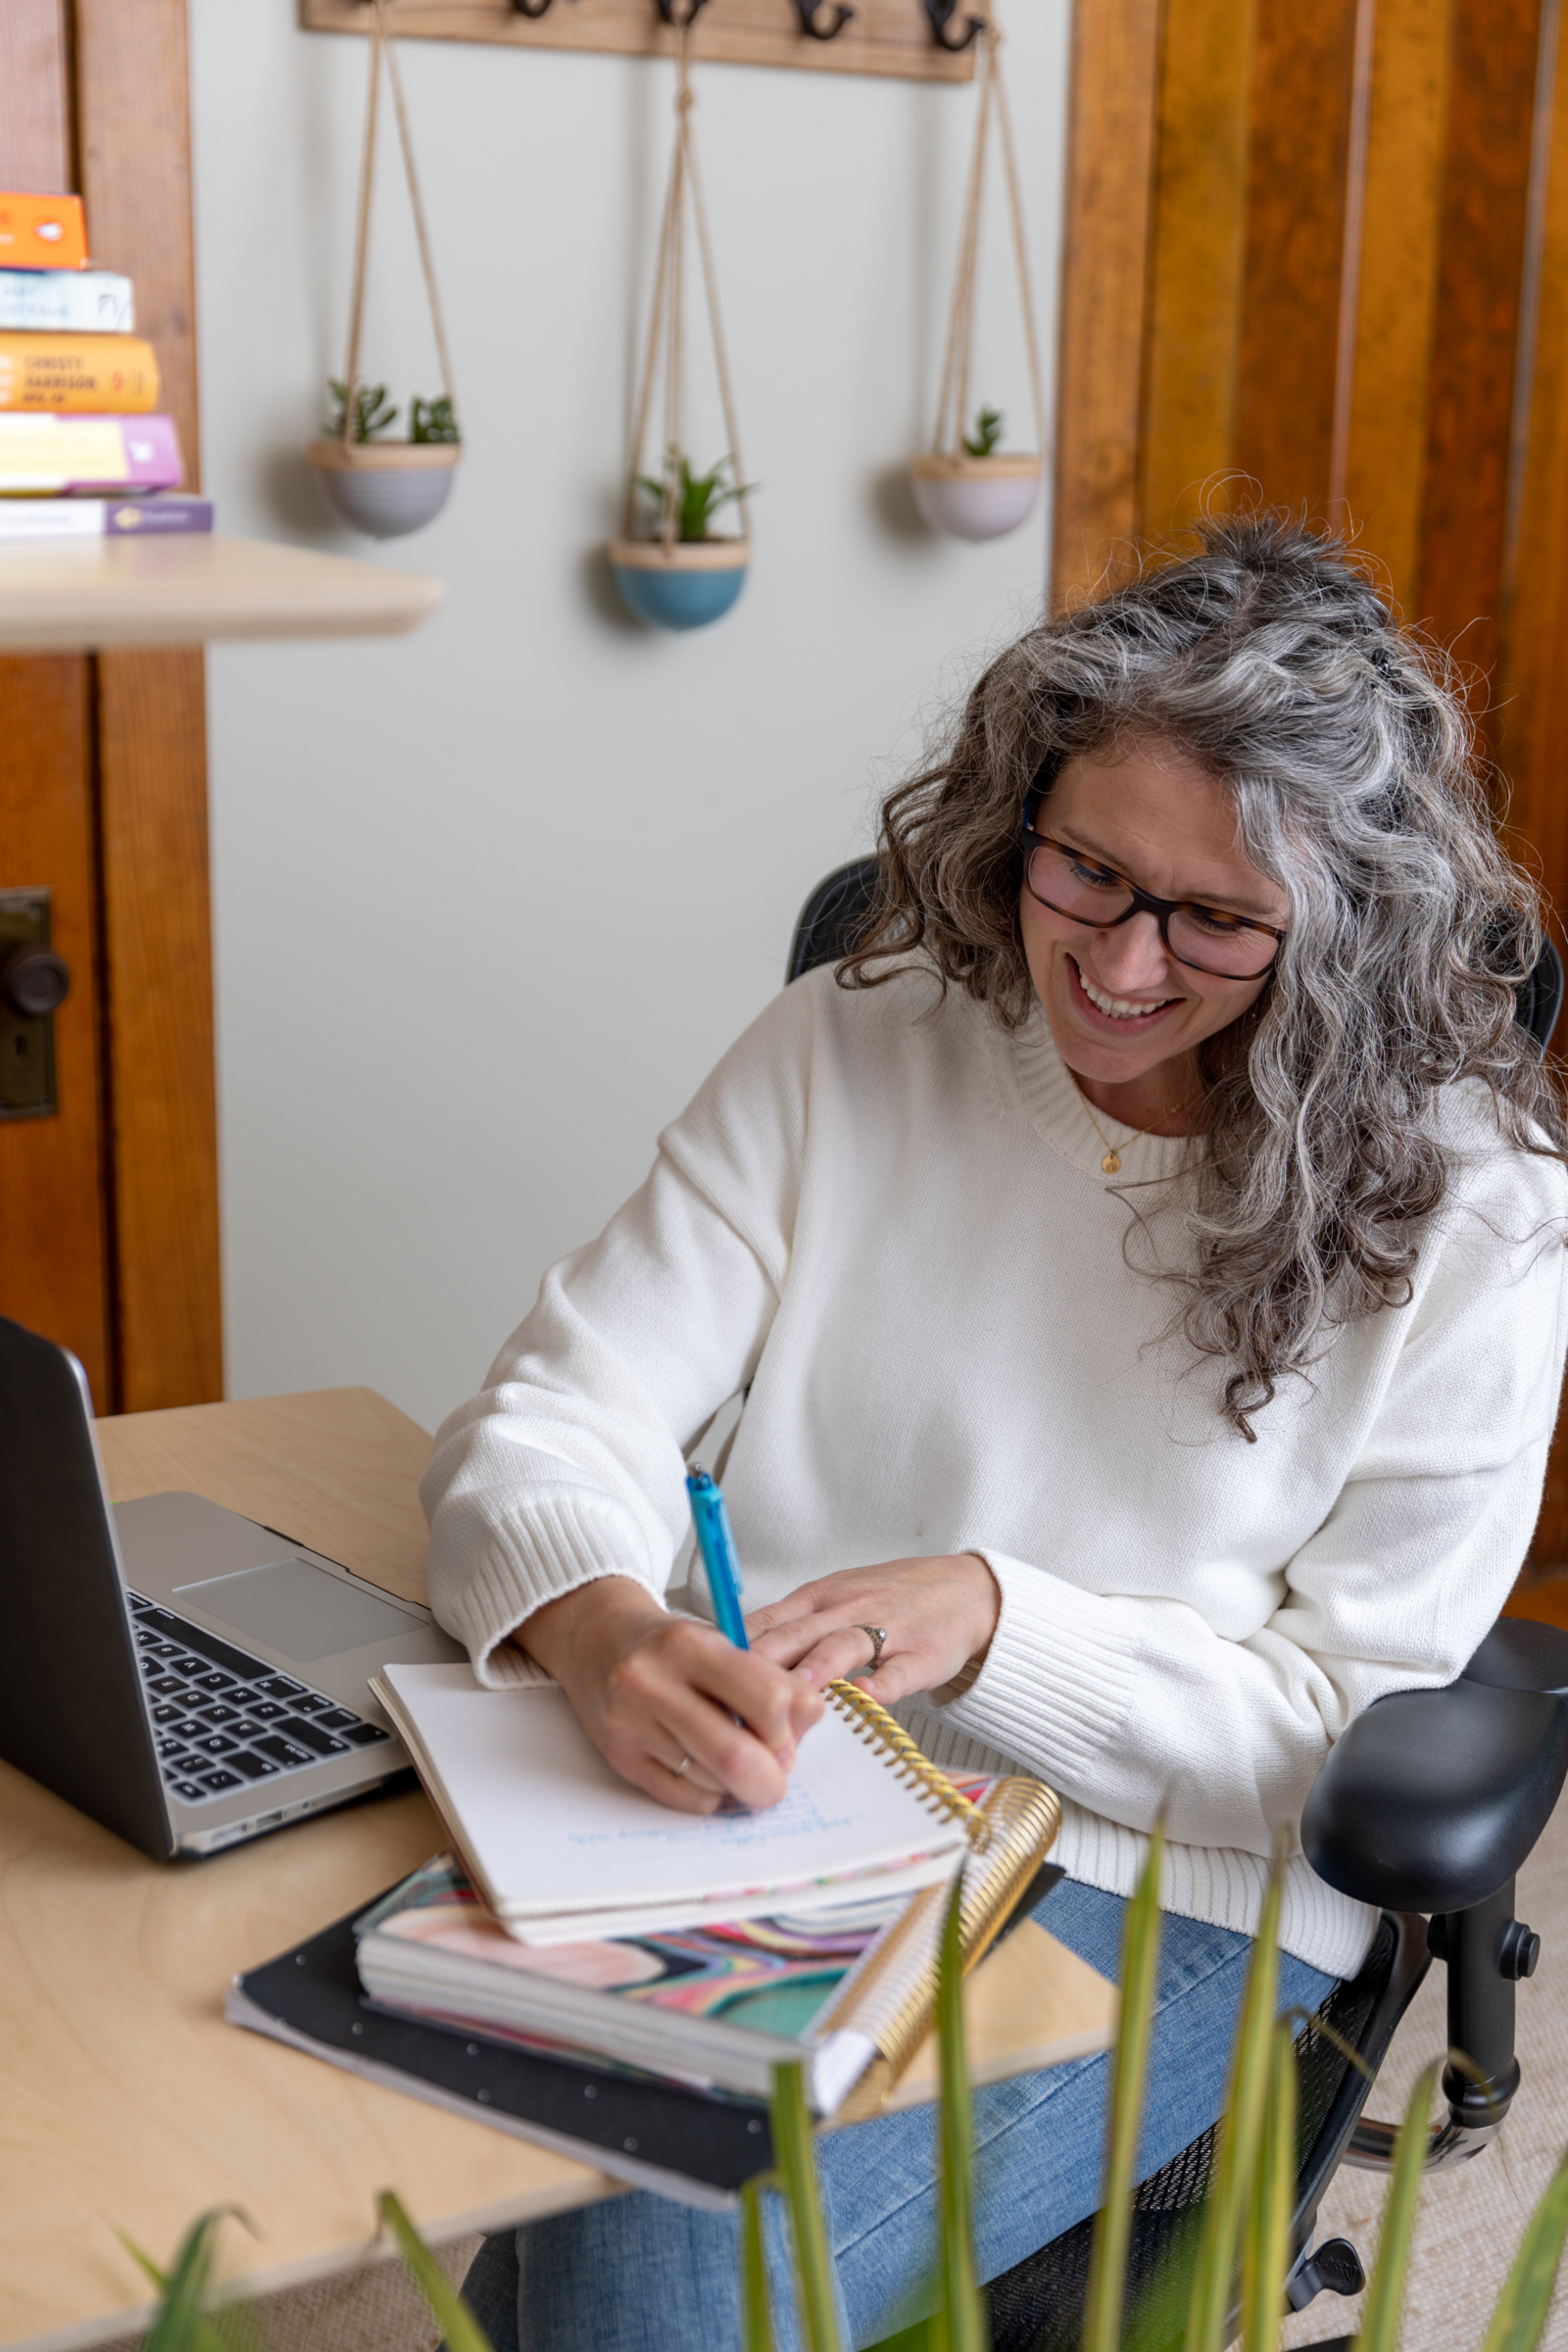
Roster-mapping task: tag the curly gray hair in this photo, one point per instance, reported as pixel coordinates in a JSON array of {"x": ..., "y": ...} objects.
[{"x": 1269, "y": 657}]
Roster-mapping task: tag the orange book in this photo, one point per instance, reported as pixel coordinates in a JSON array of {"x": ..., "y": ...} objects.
[
  {"x": 114, "y": 376},
  {"x": 42, "y": 232}
]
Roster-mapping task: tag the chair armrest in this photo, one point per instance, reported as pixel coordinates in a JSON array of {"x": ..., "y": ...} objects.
[{"x": 1431, "y": 1799}]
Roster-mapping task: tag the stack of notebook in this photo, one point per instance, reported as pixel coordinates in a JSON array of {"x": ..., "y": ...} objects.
[
  {"x": 600, "y": 1972},
  {"x": 84, "y": 451}
]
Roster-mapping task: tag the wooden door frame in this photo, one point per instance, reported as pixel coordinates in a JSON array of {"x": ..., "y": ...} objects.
[{"x": 94, "y": 96}]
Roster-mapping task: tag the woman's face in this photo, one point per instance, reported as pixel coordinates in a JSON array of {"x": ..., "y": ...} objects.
[{"x": 1119, "y": 1005}]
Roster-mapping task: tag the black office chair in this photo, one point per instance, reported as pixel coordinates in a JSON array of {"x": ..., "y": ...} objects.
[{"x": 1426, "y": 1807}]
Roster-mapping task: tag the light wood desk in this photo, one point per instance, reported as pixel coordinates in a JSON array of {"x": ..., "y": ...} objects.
[{"x": 126, "y": 2100}]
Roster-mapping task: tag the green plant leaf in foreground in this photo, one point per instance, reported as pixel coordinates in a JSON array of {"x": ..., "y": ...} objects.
[
  {"x": 1266, "y": 2245},
  {"x": 1241, "y": 2132},
  {"x": 757, "y": 2324},
  {"x": 960, "y": 2321},
  {"x": 1526, "y": 2298},
  {"x": 1140, "y": 1969},
  {"x": 792, "y": 2154},
  {"x": 461, "y": 2331},
  {"x": 1385, "y": 2293},
  {"x": 182, "y": 2322}
]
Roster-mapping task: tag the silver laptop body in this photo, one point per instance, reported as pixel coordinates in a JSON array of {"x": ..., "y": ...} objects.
[{"x": 182, "y": 1674}]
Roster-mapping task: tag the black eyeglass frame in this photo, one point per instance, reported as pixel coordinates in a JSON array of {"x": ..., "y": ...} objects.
[{"x": 1143, "y": 901}]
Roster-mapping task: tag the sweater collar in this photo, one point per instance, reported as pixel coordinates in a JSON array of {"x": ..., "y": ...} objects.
[{"x": 1059, "y": 1116}]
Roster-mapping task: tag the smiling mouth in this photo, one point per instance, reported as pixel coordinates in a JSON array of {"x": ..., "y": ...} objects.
[{"x": 1117, "y": 1008}]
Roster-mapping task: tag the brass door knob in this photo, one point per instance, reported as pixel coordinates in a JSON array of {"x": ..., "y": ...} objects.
[{"x": 35, "y": 982}]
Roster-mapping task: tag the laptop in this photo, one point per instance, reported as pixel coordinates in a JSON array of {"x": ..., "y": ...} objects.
[{"x": 185, "y": 1676}]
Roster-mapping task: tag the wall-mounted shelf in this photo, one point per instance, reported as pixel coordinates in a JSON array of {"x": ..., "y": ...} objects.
[
  {"x": 881, "y": 37},
  {"x": 92, "y": 594}
]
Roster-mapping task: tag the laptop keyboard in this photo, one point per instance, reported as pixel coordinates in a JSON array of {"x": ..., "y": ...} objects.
[{"x": 223, "y": 1719}]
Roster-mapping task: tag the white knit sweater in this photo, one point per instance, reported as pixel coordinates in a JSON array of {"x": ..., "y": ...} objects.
[{"x": 889, "y": 1221}]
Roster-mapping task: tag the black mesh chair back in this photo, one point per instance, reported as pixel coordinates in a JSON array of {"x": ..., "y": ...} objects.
[
  {"x": 1541, "y": 996},
  {"x": 835, "y": 917}
]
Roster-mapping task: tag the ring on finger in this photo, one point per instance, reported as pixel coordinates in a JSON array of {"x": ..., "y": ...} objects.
[
  {"x": 877, "y": 1634},
  {"x": 681, "y": 1767}
]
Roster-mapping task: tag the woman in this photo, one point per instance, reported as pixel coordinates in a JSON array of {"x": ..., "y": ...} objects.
[{"x": 1144, "y": 1263}]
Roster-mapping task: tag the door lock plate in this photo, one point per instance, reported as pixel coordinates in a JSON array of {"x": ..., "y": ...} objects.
[{"x": 27, "y": 1088}]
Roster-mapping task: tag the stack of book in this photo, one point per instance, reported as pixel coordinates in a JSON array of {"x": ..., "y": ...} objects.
[
  {"x": 83, "y": 452},
  {"x": 587, "y": 1966}
]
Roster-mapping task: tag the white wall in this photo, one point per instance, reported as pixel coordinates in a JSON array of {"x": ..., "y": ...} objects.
[{"x": 491, "y": 899}]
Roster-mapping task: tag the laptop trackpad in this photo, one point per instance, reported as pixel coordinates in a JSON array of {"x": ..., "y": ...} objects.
[{"x": 298, "y": 1610}]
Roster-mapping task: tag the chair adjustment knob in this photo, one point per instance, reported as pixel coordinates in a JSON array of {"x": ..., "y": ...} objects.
[
  {"x": 35, "y": 982},
  {"x": 1521, "y": 1949}
]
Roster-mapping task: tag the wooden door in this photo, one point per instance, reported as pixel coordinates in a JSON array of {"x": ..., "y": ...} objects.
[
  {"x": 1323, "y": 249},
  {"x": 109, "y": 1207}
]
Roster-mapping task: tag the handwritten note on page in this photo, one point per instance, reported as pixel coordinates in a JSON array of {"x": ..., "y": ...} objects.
[{"x": 554, "y": 1835}]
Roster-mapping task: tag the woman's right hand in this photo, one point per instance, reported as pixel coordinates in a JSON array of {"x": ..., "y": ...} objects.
[{"x": 650, "y": 1689}]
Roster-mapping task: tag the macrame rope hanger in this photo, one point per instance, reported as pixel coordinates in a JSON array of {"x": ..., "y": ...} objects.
[
  {"x": 991, "y": 107},
  {"x": 383, "y": 43},
  {"x": 667, "y": 321}
]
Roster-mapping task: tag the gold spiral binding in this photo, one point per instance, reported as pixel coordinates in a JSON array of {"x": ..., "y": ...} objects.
[
  {"x": 892, "y": 1999},
  {"x": 916, "y": 1770}
]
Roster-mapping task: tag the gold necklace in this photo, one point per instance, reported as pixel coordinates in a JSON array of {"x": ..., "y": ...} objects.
[{"x": 1111, "y": 1164}]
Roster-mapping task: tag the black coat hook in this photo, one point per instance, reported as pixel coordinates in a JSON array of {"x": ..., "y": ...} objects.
[
  {"x": 940, "y": 13},
  {"x": 678, "y": 14},
  {"x": 531, "y": 8},
  {"x": 810, "y": 11}
]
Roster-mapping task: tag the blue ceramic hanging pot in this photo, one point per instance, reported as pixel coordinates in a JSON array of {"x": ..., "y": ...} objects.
[{"x": 683, "y": 586}]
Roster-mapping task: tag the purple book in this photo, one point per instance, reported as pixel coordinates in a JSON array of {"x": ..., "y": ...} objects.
[
  {"x": 45, "y": 454},
  {"x": 153, "y": 516}
]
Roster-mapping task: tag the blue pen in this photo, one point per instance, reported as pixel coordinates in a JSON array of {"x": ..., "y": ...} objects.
[{"x": 716, "y": 1545}]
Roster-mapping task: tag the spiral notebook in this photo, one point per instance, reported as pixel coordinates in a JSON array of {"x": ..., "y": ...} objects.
[{"x": 563, "y": 1850}]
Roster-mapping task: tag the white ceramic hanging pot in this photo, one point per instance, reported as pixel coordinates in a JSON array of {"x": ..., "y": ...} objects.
[
  {"x": 975, "y": 498},
  {"x": 384, "y": 488},
  {"x": 683, "y": 586}
]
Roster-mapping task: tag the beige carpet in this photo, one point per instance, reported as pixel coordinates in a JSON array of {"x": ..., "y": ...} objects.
[{"x": 1471, "y": 2219}]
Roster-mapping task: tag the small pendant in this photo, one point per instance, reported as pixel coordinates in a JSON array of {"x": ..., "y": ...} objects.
[{"x": 1111, "y": 1162}]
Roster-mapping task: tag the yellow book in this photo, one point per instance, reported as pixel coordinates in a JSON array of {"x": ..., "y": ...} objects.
[{"x": 78, "y": 375}]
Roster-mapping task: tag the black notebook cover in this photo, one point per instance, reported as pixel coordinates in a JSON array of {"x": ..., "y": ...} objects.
[{"x": 684, "y": 2143}]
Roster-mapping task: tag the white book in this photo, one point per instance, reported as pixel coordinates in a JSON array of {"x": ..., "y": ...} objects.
[
  {"x": 78, "y": 301},
  {"x": 563, "y": 1850}
]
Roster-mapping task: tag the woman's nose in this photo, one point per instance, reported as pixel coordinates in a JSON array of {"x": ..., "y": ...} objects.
[{"x": 1133, "y": 957}]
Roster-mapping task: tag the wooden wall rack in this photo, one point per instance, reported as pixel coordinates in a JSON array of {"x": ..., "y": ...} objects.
[{"x": 880, "y": 36}]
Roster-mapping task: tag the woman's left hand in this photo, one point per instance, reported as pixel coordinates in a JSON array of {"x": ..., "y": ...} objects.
[{"x": 938, "y": 1614}]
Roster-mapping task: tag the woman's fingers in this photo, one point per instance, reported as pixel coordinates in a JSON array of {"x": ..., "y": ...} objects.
[
  {"x": 739, "y": 1718},
  {"x": 936, "y": 1614}
]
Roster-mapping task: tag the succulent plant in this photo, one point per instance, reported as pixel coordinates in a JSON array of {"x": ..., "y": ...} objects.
[
  {"x": 986, "y": 435},
  {"x": 432, "y": 419},
  {"x": 373, "y": 412},
  {"x": 698, "y": 496}
]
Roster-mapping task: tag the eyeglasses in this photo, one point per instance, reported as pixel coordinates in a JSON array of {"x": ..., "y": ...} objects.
[{"x": 1231, "y": 946}]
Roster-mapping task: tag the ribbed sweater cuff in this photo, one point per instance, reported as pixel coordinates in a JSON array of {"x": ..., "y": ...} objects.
[
  {"x": 1057, "y": 1681},
  {"x": 566, "y": 1541}
]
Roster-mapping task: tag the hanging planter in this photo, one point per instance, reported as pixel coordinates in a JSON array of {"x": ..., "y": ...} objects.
[
  {"x": 387, "y": 488},
  {"x": 966, "y": 485},
  {"x": 679, "y": 587},
  {"x": 675, "y": 572}
]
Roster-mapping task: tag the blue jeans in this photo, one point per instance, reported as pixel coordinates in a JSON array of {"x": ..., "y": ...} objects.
[{"x": 642, "y": 2274}]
